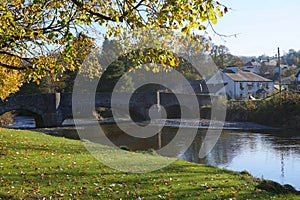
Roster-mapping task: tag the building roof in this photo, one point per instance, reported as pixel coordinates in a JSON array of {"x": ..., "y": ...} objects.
[{"x": 243, "y": 76}]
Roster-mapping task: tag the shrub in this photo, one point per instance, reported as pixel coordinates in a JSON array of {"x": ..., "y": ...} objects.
[
  {"x": 241, "y": 110},
  {"x": 6, "y": 119},
  {"x": 282, "y": 110}
]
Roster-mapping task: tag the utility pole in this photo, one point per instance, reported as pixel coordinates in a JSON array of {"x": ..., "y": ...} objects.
[{"x": 279, "y": 70}]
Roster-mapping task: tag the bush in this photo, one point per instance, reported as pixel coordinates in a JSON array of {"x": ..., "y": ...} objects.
[
  {"x": 6, "y": 119},
  {"x": 281, "y": 110},
  {"x": 241, "y": 110}
]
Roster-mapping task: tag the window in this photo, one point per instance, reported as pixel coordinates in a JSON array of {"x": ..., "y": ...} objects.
[{"x": 241, "y": 86}]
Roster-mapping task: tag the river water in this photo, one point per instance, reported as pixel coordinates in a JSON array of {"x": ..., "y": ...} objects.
[{"x": 268, "y": 154}]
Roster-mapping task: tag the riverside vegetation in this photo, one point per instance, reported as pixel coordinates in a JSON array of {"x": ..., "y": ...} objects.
[
  {"x": 38, "y": 166},
  {"x": 280, "y": 110}
]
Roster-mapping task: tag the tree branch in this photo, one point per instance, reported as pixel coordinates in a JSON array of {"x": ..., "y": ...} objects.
[
  {"x": 80, "y": 5},
  {"x": 12, "y": 67},
  {"x": 221, "y": 35},
  {"x": 133, "y": 8},
  {"x": 121, "y": 18}
]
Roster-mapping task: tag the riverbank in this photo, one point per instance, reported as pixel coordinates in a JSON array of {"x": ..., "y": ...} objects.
[{"x": 37, "y": 166}]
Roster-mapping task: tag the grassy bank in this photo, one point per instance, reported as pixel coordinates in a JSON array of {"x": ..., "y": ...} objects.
[{"x": 37, "y": 166}]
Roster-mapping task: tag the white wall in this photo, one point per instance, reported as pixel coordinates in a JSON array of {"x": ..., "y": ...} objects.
[
  {"x": 250, "y": 88},
  {"x": 233, "y": 89}
]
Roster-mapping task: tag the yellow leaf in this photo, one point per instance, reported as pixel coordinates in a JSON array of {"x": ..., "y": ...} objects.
[
  {"x": 31, "y": 35},
  {"x": 155, "y": 70},
  {"x": 172, "y": 63},
  {"x": 220, "y": 14},
  {"x": 207, "y": 47},
  {"x": 214, "y": 20}
]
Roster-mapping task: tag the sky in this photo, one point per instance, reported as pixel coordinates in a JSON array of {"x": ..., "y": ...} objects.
[{"x": 261, "y": 26}]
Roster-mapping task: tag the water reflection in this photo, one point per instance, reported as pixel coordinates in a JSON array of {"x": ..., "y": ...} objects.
[
  {"x": 23, "y": 122},
  {"x": 269, "y": 156}
]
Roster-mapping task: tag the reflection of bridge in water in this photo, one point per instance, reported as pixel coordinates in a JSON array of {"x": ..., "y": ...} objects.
[{"x": 50, "y": 110}]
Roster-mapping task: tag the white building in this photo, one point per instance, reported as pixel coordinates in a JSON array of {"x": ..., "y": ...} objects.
[{"x": 242, "y": 85}]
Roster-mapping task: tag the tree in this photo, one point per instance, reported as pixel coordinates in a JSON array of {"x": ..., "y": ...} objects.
[
  {"x": 290, "y": 72},
  {"x": 292, "y": 58},
  {"x": 10, "y": 81},
  {"x": 111, "y": 76},
  {"x": 222, "y": 57},
  {"x": 115, "y": 70},
  {"x": 62, "y": 81},
  {"x": 30, "y": 30},
  {"x": 266, "y": 69}
]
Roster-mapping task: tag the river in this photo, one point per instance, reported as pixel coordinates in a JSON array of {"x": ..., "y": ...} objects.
[{"x": 268, "y": 154}]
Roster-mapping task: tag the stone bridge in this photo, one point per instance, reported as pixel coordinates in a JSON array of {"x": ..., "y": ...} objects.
[{"x": 50, "y": 110}]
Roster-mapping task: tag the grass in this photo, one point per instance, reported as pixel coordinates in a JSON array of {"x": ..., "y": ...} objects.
[{"x": 37, "y": 166}]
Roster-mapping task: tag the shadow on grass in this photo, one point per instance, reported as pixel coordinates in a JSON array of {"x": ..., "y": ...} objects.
[{"x": 8, "y": 196}]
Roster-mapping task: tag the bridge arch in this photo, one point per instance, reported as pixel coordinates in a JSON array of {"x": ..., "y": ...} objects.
[
  {"x": 174, "y": 111},
  {"x": 35, "y": 113}
]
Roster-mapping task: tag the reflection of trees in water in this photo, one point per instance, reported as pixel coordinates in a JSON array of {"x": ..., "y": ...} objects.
[
  {"x": 286, "y": 144},
  {"x": 284, "y": 141},
  {"x": 120, "y": 138},
  {"x": 231, "y": 144},
  {"x": 228, "y": 146}
]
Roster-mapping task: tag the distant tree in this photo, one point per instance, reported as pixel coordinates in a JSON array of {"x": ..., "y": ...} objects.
[
  {"x": 117, "y": 67},
  {"x": 266, "y": 70},
  {"x": 245, "y": 59},
  {"x": 188, "y": 70},
  {"x": 263, "y": 58},
  {"x": 222, "y": 57},
  {"x": 291, "y": 58},
  {"x": 291, "y": 71},
  {"x": 112, "y": 75},
  {"x": 127, "y": 84}
]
